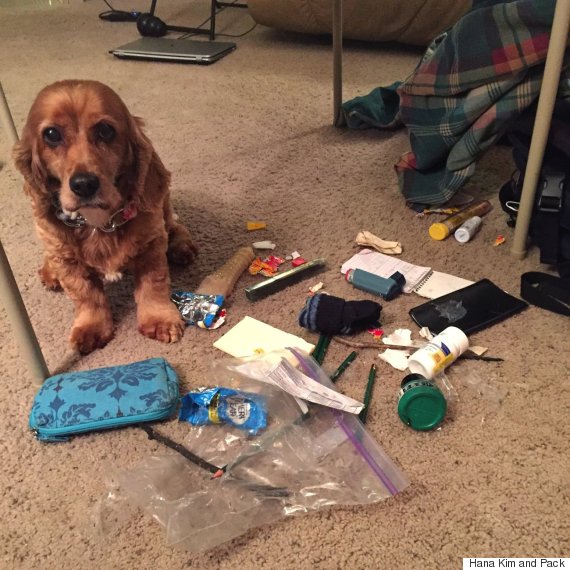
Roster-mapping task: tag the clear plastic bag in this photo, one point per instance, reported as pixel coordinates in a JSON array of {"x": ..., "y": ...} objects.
[{"x": 302, "y": 462}]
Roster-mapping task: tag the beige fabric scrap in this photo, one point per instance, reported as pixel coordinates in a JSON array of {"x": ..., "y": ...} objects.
[{"x": 383, "y": 246}]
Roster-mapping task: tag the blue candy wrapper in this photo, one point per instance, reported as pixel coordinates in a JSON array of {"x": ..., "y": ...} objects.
[
  {"x": 243, "y": 410},
  {"x": 198, "y": 309}
]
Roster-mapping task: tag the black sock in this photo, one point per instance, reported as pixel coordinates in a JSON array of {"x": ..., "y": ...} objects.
[{"x": 332, "y": 315}]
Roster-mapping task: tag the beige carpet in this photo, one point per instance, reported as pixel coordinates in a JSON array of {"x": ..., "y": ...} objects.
[{"x": 250, "y": 138}]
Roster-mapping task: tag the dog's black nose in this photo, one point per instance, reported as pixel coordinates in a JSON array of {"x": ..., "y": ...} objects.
[{"x": 84, "y": 184}]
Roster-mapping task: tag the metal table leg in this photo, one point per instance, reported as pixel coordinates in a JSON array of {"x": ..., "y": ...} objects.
[
  {"x": 546, "y": 100},
  {"x": 9, "y": 292},
  {"x": 337, "y": 63}
]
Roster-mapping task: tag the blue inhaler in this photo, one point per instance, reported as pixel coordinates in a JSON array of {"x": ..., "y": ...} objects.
[{"x": 386, "y": 287}]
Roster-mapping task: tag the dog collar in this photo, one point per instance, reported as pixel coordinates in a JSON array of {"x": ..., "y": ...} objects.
[{"x": 117, "y": 219}]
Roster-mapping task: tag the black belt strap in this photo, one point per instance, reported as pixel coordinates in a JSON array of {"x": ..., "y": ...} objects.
[{"x": 546, "y": 291}]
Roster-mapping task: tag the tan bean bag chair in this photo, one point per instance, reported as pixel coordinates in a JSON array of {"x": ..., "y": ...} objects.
[{"x": 414, "y": 22}]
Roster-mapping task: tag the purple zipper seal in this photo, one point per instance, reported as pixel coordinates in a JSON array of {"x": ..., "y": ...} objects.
[{"x": 378, "y": 471}]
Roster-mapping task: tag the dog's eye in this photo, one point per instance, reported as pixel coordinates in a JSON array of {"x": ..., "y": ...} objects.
[
  {"x": 52, "y": 136},
  {"x": 105, "y": 132}
]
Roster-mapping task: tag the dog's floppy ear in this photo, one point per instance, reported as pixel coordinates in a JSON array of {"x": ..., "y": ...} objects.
[
  {"x": 149, "y": 177},
  {"x": 28, "y": 161}
]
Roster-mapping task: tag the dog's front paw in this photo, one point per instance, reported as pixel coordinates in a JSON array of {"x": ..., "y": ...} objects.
[
  {"x": 87, "y": 337},
  {"x": 181, "y": 248},
  {"x": 161, "y": 323},
  {"x": 48, "y": 279}
]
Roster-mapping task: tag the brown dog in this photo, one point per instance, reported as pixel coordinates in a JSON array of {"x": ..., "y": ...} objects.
[{"x": 101, "y": 203}]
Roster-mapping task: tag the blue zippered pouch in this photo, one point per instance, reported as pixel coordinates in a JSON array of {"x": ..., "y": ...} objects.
[{"x": 77, "y": 402}]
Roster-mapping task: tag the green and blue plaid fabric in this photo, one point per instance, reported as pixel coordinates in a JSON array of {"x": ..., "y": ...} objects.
[{"x": 472, "y": 83}]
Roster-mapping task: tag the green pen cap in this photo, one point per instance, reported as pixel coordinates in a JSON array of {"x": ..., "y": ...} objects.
[{"x": 421, "y": 405}]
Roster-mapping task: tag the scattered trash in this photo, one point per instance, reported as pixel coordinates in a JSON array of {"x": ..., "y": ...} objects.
[
  {"x": 274, "y": 261},
  {"x": 293, "y": 381},
  {"x": 258, "y": 266},
  {"x": 499, "y": 240},
  {"x": 443, "y": 229},
  {"x": 315, "y": 288},
  {"x": 402, "y": 337},
  {"x": 295, "y": 255},
  {"x": 397, "y": 359},
  {"x": 283, "y": 280},
  {"x": 199, "y": 309},
  {"x": 424, "y": 332},
  {"x": 243, "y": 410},
  {"x": 263, "y": 245},
  {"x": 297, "y": 261},
  {"x": 366, "y": 238},
  {"x": 376, "y": 332},
  {"x": 435, "y": 210},
  {"x": 297, "y": 465},
  {"x": 252, "y": 226}
]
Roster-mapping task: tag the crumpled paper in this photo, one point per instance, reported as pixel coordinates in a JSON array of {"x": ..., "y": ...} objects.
[{"x": 368, "y": 239}]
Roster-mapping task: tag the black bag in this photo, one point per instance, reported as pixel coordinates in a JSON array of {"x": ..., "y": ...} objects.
[{"x": 549, "y": 227}]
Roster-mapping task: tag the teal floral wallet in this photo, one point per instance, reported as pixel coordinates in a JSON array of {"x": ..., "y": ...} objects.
[{"x": 77, "y": 402}]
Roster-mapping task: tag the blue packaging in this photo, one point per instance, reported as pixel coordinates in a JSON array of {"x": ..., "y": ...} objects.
[{"x": 243, "y": 410}]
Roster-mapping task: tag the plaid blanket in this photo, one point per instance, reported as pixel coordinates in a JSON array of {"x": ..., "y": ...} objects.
[{"x": 471, "y": 85}]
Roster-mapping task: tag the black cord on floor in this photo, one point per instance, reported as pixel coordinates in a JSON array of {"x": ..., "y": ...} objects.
[{"x": 113, "y": 15}]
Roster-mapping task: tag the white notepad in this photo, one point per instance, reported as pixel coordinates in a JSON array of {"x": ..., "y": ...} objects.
[{"x": 421, "y": 280}]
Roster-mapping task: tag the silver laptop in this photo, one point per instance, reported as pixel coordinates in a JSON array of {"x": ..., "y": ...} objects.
[{"x": 181, "y": 51}]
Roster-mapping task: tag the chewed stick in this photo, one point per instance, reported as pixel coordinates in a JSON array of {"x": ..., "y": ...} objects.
[{"x": 222, "y": 281}]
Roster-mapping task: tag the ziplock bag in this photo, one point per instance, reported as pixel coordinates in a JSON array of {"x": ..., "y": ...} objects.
[
  {"x": 77, "y": 402},
  {"x": 301, "y": 463}
]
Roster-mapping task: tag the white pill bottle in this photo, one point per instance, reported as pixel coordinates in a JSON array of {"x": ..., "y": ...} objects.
[{"x": 439, "y": 353}]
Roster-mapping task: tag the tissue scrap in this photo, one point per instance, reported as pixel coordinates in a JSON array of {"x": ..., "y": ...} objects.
[
  {"x": 263, "y": 245},
  {"x": 398, "y": 359},
  {"x": 401, "y": 337}
]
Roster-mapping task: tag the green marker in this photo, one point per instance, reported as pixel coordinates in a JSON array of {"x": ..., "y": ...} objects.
[
  {"x": 368, "y": 394},
  {"x": 321, "y": 348},
  {"x": 343, "y": 366}
]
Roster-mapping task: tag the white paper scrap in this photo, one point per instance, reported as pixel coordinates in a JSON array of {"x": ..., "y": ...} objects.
[
  {"x": 300, "y": 385},
  {"x": 264, "y": 245},
  {"x": 426, "y": 333},
  {"x": 398, "y": 359},
  {"x": 402, "y": 337}
]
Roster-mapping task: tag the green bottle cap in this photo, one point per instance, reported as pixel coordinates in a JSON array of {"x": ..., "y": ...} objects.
[{"x": 421, "y": 405}]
